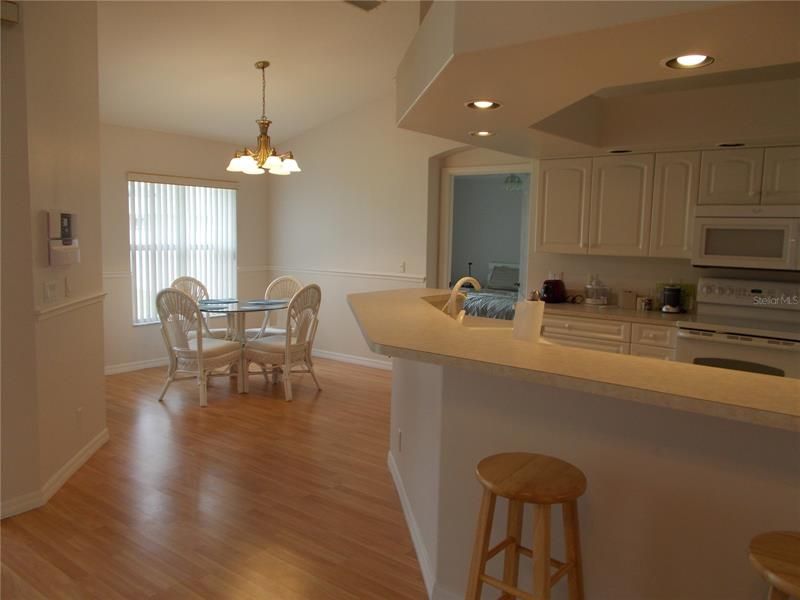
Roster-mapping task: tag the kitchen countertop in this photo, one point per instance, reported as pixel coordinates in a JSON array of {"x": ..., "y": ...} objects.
[
  {"x": 615, "y": 313},
  {"x": 401, "y": 323}
]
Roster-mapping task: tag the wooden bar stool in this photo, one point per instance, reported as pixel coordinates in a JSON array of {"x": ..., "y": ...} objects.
[
  {"x": 542, "y": 481},
  {"x": 776, "y": 555}
]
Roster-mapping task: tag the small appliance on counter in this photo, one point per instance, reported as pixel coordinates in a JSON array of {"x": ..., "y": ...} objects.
[
  {"x": 671, "y": 296},
  {"x": 553, "y": 289},
  {"x": 596, "y": 292}
]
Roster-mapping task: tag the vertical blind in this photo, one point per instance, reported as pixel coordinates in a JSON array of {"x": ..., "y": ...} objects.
[{"x": 178, "y": 230}]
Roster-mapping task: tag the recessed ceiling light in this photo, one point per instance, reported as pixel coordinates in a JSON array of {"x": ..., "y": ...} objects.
[
  {"x": 618, "y": 151},
  {"x": 730, "y": 145},
  {"x": 690, "y": 61},
  {"x": 481, "y": 133},
  {"x": 483, "y": 104}
]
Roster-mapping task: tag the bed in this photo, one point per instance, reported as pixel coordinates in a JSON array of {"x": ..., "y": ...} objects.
[{"x": 497, "y": 299}]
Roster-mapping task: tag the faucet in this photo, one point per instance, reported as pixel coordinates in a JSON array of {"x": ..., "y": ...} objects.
[{"x": 452, "y": 304}]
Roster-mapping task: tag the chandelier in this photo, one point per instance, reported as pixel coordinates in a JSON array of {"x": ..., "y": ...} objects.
[{"x": 265, "y": 156}]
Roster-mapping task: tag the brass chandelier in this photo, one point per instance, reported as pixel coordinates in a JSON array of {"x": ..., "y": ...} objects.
[{"x": 265, "y": 156}]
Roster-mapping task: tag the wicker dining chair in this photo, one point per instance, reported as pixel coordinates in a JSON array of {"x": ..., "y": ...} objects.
[
  {"x": 281, "y": 354},
  {"x": 198, "y": 291},
  {"x": 274, "y": 322},
  {"x": 190, "y": 356}
]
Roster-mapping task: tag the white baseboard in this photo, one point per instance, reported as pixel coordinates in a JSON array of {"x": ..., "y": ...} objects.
[
  {"x": 375, "y": 363},
  {"x": 60, "y": 477},
  {"x": 32, "y": 500},
  {"x": 21, "y": 504},
  {"x": 136, "y": 366},
  {"x": 439, "y": 593},
  {"x": 428, "y": 575}
]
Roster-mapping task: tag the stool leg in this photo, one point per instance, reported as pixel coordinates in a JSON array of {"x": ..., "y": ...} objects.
[
  {"x": 479, "y": 552},
  {"x": 541, "y": 551},
  {"x": 776, "y": 594},
  {"x": 572, "y": 542},
  {"x": 514, "y": 530}
]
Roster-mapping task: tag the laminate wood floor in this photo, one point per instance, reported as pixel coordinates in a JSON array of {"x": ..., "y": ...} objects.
[{"x": 250, "y": 498}]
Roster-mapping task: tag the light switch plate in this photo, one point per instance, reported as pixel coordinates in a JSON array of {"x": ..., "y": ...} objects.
[{"x": 49, "y": 291}]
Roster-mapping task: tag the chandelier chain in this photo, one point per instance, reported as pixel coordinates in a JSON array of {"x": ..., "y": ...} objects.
[{"x": 263, "y": 94}]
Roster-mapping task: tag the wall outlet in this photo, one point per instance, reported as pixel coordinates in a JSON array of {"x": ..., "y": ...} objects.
[
  {"x": 403, "y": 267},
  {"x": 49, "y": 291},
  {"x": 399, "y": 440},
  {"x": 67, "y": 287}
]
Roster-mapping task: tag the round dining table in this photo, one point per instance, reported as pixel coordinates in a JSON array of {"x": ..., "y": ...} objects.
[{"x": 236, "y": 311}]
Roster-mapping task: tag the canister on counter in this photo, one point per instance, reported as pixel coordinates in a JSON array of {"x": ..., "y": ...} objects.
[{"x": 644, "y": 303}]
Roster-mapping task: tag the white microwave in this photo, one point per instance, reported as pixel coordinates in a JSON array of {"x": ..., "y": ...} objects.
[{"x": 747, "y": 243}]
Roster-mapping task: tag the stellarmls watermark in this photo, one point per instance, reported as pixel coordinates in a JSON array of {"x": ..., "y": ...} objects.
[{"x": 781, "y": 300}]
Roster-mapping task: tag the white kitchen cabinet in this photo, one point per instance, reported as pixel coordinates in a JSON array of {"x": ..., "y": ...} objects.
[
  {"x": 599, "y": 329},
  {"x": 621, "y": 201},
  {"x": 781, "y": 184},
  {"x": 562, "y": 206},
  {"x": 654, "y": 335},
  {"x": 731, "y": 176},
  {"x": 590, "y": 334},
  {"x": 589, "y": 344},
  {"x": 653, "y": 352},
  {"x": 674, "y": 197}
]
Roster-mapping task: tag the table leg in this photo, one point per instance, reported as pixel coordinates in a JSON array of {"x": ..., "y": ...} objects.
[{"x": 241, "y": 336}]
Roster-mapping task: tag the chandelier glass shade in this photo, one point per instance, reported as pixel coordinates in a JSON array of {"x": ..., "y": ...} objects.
[{"x": 264, "y": 158}]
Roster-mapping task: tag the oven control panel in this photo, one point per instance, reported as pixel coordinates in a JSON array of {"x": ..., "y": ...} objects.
[{"x": 745, "y": 292}]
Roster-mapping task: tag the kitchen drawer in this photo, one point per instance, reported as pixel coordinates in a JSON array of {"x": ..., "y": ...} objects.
[
  {"x": 654, "y": 335},
  {"x": 653, "y": 351},
  {"x": 596, "y": 329},
  {"x": 588, "y": 344}
]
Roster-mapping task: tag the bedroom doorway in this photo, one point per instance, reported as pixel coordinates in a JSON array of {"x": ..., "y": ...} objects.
[{"x": 484, "y": 226}]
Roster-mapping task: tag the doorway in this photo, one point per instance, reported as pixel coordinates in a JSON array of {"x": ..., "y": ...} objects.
[{"x": 485, "y": 214}]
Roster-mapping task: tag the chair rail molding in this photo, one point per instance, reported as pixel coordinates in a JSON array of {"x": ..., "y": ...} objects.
[
  {"x": 43, "y": 313},
  {"x": 412, "y": 277},
  {"x": 116, "y": 274}
]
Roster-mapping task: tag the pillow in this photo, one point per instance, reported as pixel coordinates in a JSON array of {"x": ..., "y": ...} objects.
[{"x": 503, "y": 278}]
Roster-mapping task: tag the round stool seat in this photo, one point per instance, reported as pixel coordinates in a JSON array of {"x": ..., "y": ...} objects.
[
  {"x": 776, "y": 555},
  {"x": 534, "y": 478}
]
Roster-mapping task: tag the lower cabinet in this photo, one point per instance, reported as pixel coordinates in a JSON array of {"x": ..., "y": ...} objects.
[
  {"x": 588, "y": 343},
  {"x": 605, "y": 335},
  {"x": 653, "y": 351}
]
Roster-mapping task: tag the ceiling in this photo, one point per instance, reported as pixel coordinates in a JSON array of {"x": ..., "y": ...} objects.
[
  {"x": 581, "y": 85},
  {"x": 187, "y": 67}
]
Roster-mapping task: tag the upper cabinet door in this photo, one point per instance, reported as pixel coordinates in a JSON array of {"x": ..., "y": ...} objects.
[
  {"x": 622, "y": 194},
  {"x": 731, "y": 176},
  {"x": 674, "y": 197},
  {"x": 562, "y": 205},
  {"x": 781, "y": 176}
]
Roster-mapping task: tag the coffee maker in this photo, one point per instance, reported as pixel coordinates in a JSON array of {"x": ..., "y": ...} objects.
[{"x": 671, "y": 297}]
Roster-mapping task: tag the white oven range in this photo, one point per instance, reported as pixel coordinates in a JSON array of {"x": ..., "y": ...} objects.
[{"x": 744, "y": 325}]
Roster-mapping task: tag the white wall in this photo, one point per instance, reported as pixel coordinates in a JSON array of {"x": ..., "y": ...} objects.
[
  {"x": 19, "y": 409},
  {"x": 61, "y": 380},
  {"x": 357, "y": 212},
  {"x": 414, "y": 459},
  {"x": 488, "y": 223},
  {"x": 126, "y": 149}
]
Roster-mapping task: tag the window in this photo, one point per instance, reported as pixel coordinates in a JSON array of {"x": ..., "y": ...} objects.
[{"x": 180, "y": 227}]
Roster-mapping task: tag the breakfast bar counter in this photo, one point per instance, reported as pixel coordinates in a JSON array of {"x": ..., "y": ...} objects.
[
  {"x": 685, "y": 463},
  {"x": 402, "y": 324}
]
